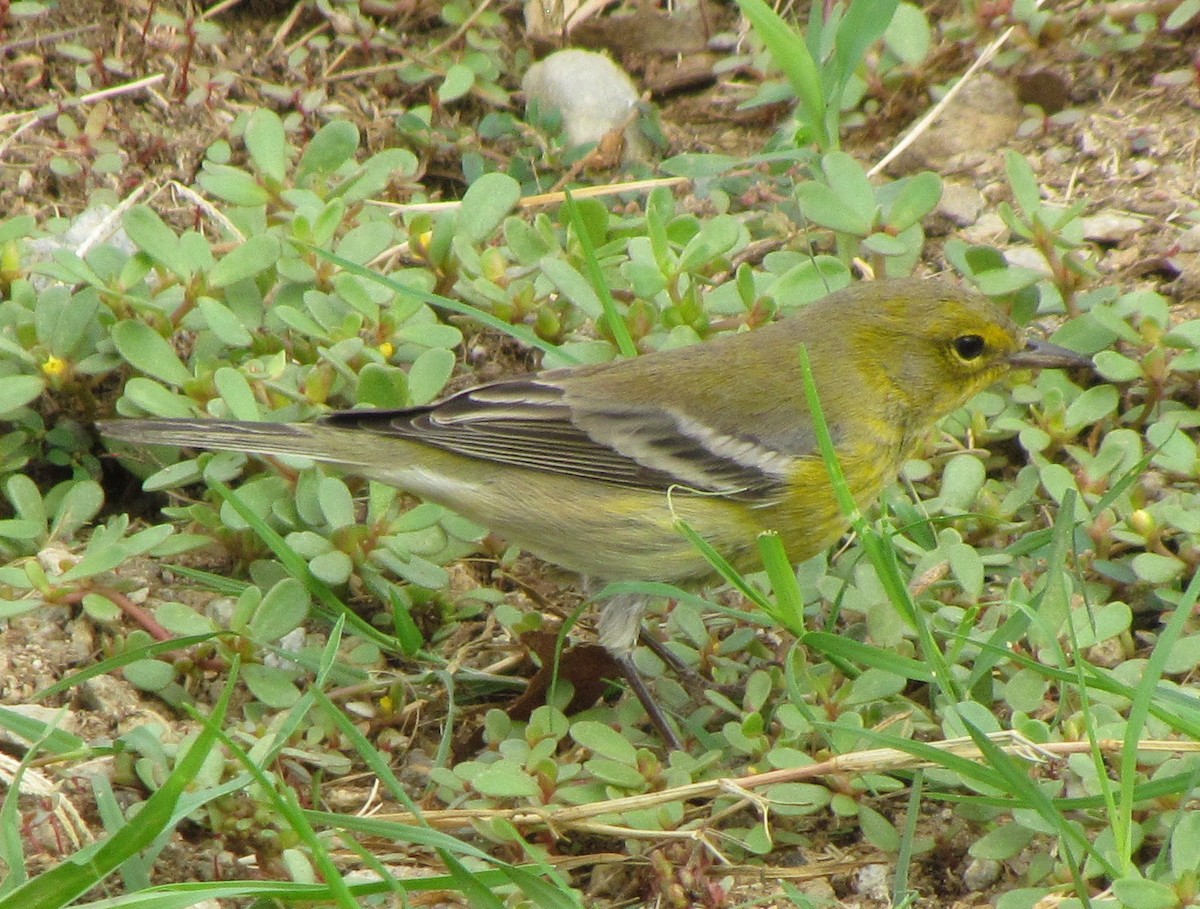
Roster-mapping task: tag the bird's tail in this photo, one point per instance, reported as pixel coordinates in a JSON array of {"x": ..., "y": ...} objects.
[{"x": 305, "y": 440}]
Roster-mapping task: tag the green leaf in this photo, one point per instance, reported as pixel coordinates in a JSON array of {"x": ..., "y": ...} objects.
[
  {"x": 413, "y": 569},
  {"x": 485, "y": 205},
  {"x": 877, "y": 829},
  {"x": 272, "y": 686},
  {"x": 425, "y": 515},
  {"x": 845, "y": 203},
  {"x": 1001, "y": 282},
  {"x": 715, "y": 238},
  {"x": 907, "y": 201},
  {"x": 223, "y": 323},
  {"x": 1156, "y": 569},
  {"x": 974, "y": 259},
  {"x": 182, "y": 620},
  {"x": 430, "y": 334},
  {"x": 874, "y": 685},
  {"x": 182, "y": 473},
  {"x": 849, "y": 180},
  {"x": 149, "y": 675},
  {"x": 96, "y": 560},
  {"x": 699, "y": 166},
  {"x": 505, "y": 779},
  {"x": 429, "y": 373},
  {"x": 17, "y": 391},
  {"x": 382, "y": 386},
  {"x": 14, "y": 228},
  {"x": 1026, "y": 692},
  {"x": 283, "y": 609},
  {"x": 306, "y": 543},
  {"x": 246, "y": 260},
  {"x": 822, "y": 206},
  {"x": 64, "y": 320},
  {"x": 146, "y": 350},
  {"x": 476, "y": 893},
  {"x": 375, "y": 174},
  {"x": 1176, "y": 450},
  {"x": 334, "y": 567},
  {"x": 459, "y": 80},
  {"x": 1096, "y": 624},
  {"x": 615, "y": 773},
  {"x": 156, "y": 400},
  {"x": 1116, "y": 367},
  {"x": 333, "y": 145},
  {"x": 864, "y": 23},
  {"x": 797, "y": 798},
  {"x": 1139, "y": 893},
  {"x": 962, "y": 480},
  {"x": 967, "y": 566},
  {"x": 1185, "y": 844},
  {"x": 1023, "y": 182},
  {"x": 21, "y": 529},
  {"x": 153, "y": 237},
  {"x": 1093, "y": 406},
  {"x": 602, "y": 739},
  {"x": 1184, "y": 13},
  {"x": 56, "y": 741},
  {"x": 232, "y": 185},
  {"x": 267, "y": 144},
  {"x": 81, "y": 503},
  {"x": 237, "y": 394},
  {"x": 337, "y": 505},
  {"x": 360, "y": 244},
  {"x": 885, "y": 245},
  {"x": 26, "y": 500},
  {"x": 573, "y": 285},
  {"x": 850, "y": 651},
  {"x": 1001, "y": 844},
  {"x": 908, "y": 35}
]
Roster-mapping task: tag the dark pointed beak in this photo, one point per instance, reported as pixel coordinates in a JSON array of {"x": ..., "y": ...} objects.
[{"x": 1040, "y": 354}]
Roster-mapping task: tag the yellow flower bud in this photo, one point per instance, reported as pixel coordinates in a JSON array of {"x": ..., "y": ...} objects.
[
  {"x": 54, "y": 367},
  {"x": 1142, "y": 522}
]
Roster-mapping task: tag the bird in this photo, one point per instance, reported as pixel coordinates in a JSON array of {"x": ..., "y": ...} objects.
[{"x": 590, "y": 467}]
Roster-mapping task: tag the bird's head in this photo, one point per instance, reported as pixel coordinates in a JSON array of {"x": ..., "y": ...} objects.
[{"x": 934, "y": 346}]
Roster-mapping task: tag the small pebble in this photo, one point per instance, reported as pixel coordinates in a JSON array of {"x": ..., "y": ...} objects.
[
  {"x": 981, "y": 874},
  {"x": 960, "y": 204},
  {"x": 989, "y": 104},
  {"x": 591, "y": 92},
  {"x": 1189, "y": 240},
  {"x": 987, "y": 230},
  {"x": 1028, "y": 257},
  {"x": 872, "y": 881},
  {"x": 1109, "y": 227}
]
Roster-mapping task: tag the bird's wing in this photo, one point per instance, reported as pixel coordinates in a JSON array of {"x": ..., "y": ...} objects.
[{"x": 534, "y": 423}]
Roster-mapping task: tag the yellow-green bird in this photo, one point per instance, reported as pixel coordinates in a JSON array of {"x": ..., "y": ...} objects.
[{"x": 588, "y": 467}]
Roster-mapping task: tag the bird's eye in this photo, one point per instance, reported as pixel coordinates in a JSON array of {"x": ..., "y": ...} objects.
[{"x": 969, "y": 347}]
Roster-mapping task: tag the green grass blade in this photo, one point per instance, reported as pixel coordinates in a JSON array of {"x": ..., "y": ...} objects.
[
  {"x": 76, "y": 875},
  {"x": 612, "y": 318},
  {"x": 792, "y": 55}
]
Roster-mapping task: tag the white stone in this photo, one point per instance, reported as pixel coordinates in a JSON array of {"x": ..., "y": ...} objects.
[{"x": 591, "y": 92}]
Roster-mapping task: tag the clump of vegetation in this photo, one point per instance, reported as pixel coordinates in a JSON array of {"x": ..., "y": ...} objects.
[{"x": 1014, "y": 625}]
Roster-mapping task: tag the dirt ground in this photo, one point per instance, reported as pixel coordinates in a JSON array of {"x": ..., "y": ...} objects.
[{"x": 1121, "y": 134}]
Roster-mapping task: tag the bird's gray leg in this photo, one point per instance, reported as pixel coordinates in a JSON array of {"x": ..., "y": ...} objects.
[{"x": 619, "y": 625}]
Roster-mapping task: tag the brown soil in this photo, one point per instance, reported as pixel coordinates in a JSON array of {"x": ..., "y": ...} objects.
[{"x": 1128, "y": 145}]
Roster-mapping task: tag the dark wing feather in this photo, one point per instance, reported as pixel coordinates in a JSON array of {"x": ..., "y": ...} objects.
[{"x": 533, "y": 424}]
